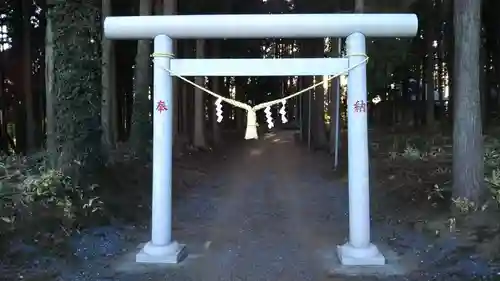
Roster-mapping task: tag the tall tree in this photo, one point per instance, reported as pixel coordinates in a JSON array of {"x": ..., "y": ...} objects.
[
  {"x": 141, "y": 125},
  {"x": 108, "y": 98},
  {"x": 199, "y": 102},
  {"x": 216, "y": 87},
  {"x": 318, "y": 123},
  {"x": 170, "y": 8},
  {"x": 468, "y": 166},
  {"x": 27, "y": 74},
  {"x": 359, "y": 6},
  {"x": 334, "y": 92},
  {"x": 430, "y": 63},
  {"x": 50, "y": 99},
  {"x": 77, "y": 84}
]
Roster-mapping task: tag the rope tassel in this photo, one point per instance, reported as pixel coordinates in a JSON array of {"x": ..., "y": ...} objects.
[
  {"x": 269, "y": 117},
  {"x": 283, "y": 112},
  {"x": 218, "y": 110},
  {"x": 251, "y": 131}
]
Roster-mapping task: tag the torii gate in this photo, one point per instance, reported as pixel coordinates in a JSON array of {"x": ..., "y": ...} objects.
[{"x": 358, "y": 250}]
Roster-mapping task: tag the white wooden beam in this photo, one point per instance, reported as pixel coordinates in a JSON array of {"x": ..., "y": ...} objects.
[
  {"x": 259, "y": 67},
  {"x": 261, "y": 26}
]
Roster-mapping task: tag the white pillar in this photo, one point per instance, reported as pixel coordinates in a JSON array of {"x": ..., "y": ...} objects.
[
  {"x": 161, "y": 248},
  {"x": 358, "y": 250}
]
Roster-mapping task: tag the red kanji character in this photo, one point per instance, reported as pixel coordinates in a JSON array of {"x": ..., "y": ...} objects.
[
  {"x": 360, "y": 106},
  {"x": 161, "y": 106}
]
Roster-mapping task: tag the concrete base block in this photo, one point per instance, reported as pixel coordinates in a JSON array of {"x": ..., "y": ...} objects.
[
  {"x": 349, "y": 255},
  {"x": 170, "y": 254}
]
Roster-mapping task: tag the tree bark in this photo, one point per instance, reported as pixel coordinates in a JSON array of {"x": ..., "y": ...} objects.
[
  {"x": 199, "y": 103},
  {"x": 483, "y": 81},
  {"x": 468, "y": 165},
  {"x": 108, "y": 98},
  {"x": 141, "y": 126},
  {"x": 319, "y": 132},
  {"x": 430, "y": 63},
  {"x": 50, "y": 125},
  {"x": 359, "y": 6},
  {"x": 27, "y": 74},
  {"x": 170, "y": 8},
  {"x": 334, "y": 92},
  {"x": 216, "y": 86},
  {"x": 239, "y": 114},
  {"x": 186, "y": 117}
]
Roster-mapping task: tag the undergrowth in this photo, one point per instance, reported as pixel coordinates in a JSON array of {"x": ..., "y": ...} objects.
[
  {"x": 434, "y": 157},
  {"x": 42, "y": 206},
  {"x": 417, "y": 170}
]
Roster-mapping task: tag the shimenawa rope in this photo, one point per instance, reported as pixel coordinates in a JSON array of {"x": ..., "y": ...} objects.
[{"x": 251, "y": 129}]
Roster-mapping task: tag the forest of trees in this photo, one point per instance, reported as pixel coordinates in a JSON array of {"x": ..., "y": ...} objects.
[
  {"x": 72, "y": 102},
  {"x": 61, "y": 91}
]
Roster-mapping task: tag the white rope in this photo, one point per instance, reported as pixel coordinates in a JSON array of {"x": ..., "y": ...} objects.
[{"x": 251, "y": 130}]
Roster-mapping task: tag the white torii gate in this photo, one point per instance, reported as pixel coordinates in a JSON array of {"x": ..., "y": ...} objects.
[{"x": 358, "y": 250}]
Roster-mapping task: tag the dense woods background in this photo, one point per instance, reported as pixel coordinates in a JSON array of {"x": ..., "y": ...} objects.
[{"x": 73, "y": 103}]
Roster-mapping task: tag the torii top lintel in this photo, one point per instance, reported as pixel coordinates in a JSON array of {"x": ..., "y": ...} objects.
[{"x": 261, "y": 26}]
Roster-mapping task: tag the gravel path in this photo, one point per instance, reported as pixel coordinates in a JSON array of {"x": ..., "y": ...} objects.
[
  {"x": 266, "y": 227},
  {"x": 264, "y": 218},
  {"x": 265, "y": 214}
]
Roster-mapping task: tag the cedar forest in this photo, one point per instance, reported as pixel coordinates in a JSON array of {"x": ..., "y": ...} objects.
[{"x": 76, "y": 112}]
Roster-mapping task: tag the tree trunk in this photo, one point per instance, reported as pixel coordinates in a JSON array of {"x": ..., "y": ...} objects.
[
  {"x": 319, "y": 136},
  {"x": 183, "y": 97},
  {"x": 319, "y": 132},
  {"x": 4, "y": 136},
  {"x": 359, "y": 6},
  {"x": 170, "y": 8},
  {"x": 141, "y": 126},
  {"x": 216, "y": 87},
  {"x": 441, "y": 8},
  {"x": 429, "y": 75},
  {"x": 306, "y": 109},
  {"x": 239, "y": 114},
  {"x": 50, "y": 126},
  {"x": 199, "y": 104},
  {"x": 186, "y": 117},
  {"x": 483, "y": 81},
  {"x": 108, "y": 98},
  {"x": 188, "y": 96},
  {"x": 27, "y": 74},
  {"x": 334, "y": 92},
  {"x": 307, "y": 50},
  {"x": 215, "y": 125},
  {"x": 449, "y": 39},
  {"x": 468, "y": 165}
]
